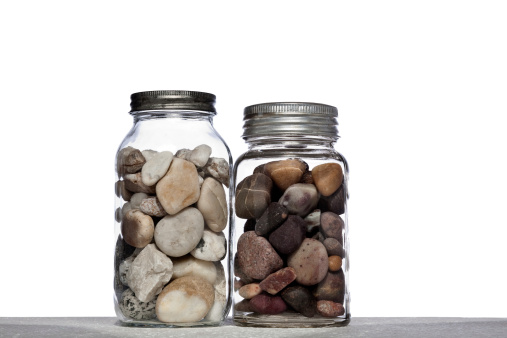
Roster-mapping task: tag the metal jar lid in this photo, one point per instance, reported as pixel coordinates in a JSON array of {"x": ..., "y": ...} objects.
[
  {"x": 290, "y": 119},
  {"x": 173, "y": 100}
]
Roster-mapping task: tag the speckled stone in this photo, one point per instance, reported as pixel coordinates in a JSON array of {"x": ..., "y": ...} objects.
[
  {"x": 211, "y": 247},
  {"x": 256, "y": 257},
  {"x": 331, "y": 226},
  {"x": 218, "y": 168},
  {"x": 253, "y": 196},
  {"x": 133, "y": 308},
  {"x": 301, "y": 300},
  {"x": 327, "y": 308},
  {"x": 310, "y": 262},
  {"x": 278, "y": 280},
  {"x": 271, "y": 219},
  {"x": 151, "y": 206},
  {"x": 289, "y": 236}
]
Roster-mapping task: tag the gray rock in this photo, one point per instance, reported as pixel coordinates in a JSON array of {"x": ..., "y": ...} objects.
[
  {"x": 300, "y": 199},
  {"x": 136, "y": 200},
  {"x": 211, "y": 247},
  {"x": 218, "y": 168},
  {"x": 148, "y": 154},
  {"x": 182, "y": 153},
  {"x": 154, "y": 169},
  {"x": 212, "y": 204},
  {"x": 199, "y": 155},
  {"x": 124, "y": 269},
  {"x": 133, "y": 308}
]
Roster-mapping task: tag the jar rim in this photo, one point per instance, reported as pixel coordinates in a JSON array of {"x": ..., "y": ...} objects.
[{"x": 172, "y": 100}]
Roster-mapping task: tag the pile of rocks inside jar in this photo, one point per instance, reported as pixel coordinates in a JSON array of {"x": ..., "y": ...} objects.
[
  {"x": 290, "y": 253},
  {"x": 167, "y": 260}
]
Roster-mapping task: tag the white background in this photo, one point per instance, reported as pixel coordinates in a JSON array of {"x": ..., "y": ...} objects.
[{"x": 421, "y": 91}]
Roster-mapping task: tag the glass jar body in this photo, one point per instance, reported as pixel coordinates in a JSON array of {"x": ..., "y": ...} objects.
[
  {"x": 291, "y": 240},
  {"x": 172, "y": 263}
]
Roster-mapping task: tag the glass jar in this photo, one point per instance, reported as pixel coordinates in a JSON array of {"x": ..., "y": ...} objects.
[
  {"x": 171, "y": 264},
  {"x": 290, "y": 240}
]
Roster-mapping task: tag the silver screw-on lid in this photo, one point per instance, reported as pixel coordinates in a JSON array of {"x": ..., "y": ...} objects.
[
  {"x": 290, "y": 119},
  {"x": 172, "y": 99}
]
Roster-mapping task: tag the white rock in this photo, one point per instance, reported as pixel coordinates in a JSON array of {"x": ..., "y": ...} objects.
[
  {"x": 191, "y": 266},
  {"x": 149, "y": 272},
  {"x": 132, "y": 307},
  {"x": 148, "y": 154},
  {"x": 177, "y": 235},
  {"x": 151, "y": 206},
  {"x": 212, "y": 204},
  {"x": 201, "y": 181},
  {"x": 218, "y": 168},
  {"x": 199, "y": 155},
  {"x": 124, "y": 269},
  {"x": 211, "y": 247},
  {"x": 136, "y": 199},
  {"x": 216, "y": 312},
  {"x": 312, "y": 220},
  {"x": 154, "y": 169},
  {"x": 182, "y": 153}
]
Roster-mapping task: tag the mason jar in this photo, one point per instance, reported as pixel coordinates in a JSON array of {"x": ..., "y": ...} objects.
[
  {"x": 171, "y": 263},
  {"x": 291, "y": 245}
]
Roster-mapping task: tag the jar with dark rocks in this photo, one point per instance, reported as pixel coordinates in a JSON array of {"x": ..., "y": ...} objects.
[
  {"x": 291, "y": 245},
  {"x": 171, "y": 263}
]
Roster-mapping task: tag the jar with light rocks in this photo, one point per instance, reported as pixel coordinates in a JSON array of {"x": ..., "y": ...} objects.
[
  {"x": 291, "y": 245},
  {"x": 171, "y": 263}
]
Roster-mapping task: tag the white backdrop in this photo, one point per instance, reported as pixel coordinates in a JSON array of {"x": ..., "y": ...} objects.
[{"x": 421, "y": 91}]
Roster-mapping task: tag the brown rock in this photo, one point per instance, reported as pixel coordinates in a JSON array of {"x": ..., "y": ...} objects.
[
  {"x": 243, "y": 306},
  {"x": 327, "y": 308},
  {"x": 331, "y": 226},
  {"x": 332, "y": 287},
  {"x": 253, "y": 196},
  {"x": 327, "y": 177},
  {"x": 121, "y": 191},
  {"x": 301, "y": 300},
  {"x": 276, "y": 281},
  {"x": 333, "y": 247},
  {"x": 179, "y": 188},
  {"x": 307, "y": 178},
  {"x": 288, "y": 237},
  {"x": 134, "y": 183},
  {"x": 137, "y": 228},
  {"x": 250, "y": 290},
  {"x": 285, "y": 173},
  {"x": 310, "y": 262},
  {"x": 129, "y": 161},
  {"x": 256, "y": 257},
  {"x": 335, "y": 263},
  {"x": 334, "y": 203}
]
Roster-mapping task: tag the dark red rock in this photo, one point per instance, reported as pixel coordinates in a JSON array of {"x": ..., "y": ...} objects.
[
  {"x": 332, "y": 287},
  {"x": 301, "y": 300},
  {"x": 333, "y": 247},
  {"x": 275, "y": 282},
  {"x": 334, "y": 203},
  {"x": 267, "y": 304},
  {"x": 271, "y": 219},
  {"x": 244, "y": 306},
  {"x": 253, "y": 196},
  {"x": 256, "y": 257},
  {"x": 331, "y": 226},
  {"x": 289, "y": 236},
  {"x": 239, "y": 273},
  {"x": 327, "y": 308}
]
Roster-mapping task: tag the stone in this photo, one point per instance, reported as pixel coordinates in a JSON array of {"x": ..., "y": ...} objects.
[
  {"x": 191, "y": 266},
  {"x": 133, "y": 308},
  {"x": 327, "y": 178},
  {"x": 216, "y": 313},
  {"x": 134, "y": 183},
  {"x": 272, "y": 218},
  {"x": 334, "y": 203},
  {"x": 249, "y": 225},
  {"x": 289, "y": 236},
  {"x": 218, "y": 168},
  {"x": 239, "y": 273},
  {"x": 137, "y": 228},
  {"x": 327, "y": 308},
  {"x": 333, "y": 247},
  {"x": 154, "y": 169},
  {"x": 118, "y": 216},
  {"x": 332, "y": 287},
  {"x": 238, "y": 284},
  {"x": 125, "y": 208},
  {"x": 121, "y": 191},
  {"x": 335, "y": 263},
  {"x": 267, "y": 304},
  {"x": 313, "y": 221},
  {"x": 307, "y": 178},
  {"x": 129, "y": 161},
  {"x": 300, "y": 199},
  {"x": 243, "y": 306},
  {"x": 124, "y": 269},
  {"x": 253, "y": 195},
  {"x": 148, "y": 154},
  {"x": 201, "y": 181},
  {"x": 186, "y": 299},
  {"x": 256, "y": 257},
  {"x": 122, "y": 250},
  {"x": 310, "y": 262},
  {"x": 249, "y": 291},
  {"x": 149, "y": 272},
  {"x": 151, "y": 206},
  {"x": 212, "y": 204},
  {"x": 177, "y": 235},
  {"x": 199, "y": 155},
  {"x": 331, "y": 226},
  {"x": 179, "y": 188},
  {"x": 301, "y": 300},
  {"x": 182, "y": 153},
  {"x": 212, "y": 246},
  {"x": 278, "y": 280},
  {"x": 136, "y": 200},
  {"x": 260, "y": 169},
  {"x": 285, "y": 173}
]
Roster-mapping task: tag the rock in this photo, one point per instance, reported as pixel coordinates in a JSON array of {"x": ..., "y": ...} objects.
[
  {"x": 334, "y": 203},
  {"x": 278, "y": 280},
  {"x": 199, "y": 155},
  {"x": 267, "y": 304},
  {"x": 285, "y": 173},
  {"x": 212, "y": 204},
  {"x": 177, "y": 235},
  {"x": 121, "y": 191},
  {"x": 332, "y": 287},
  {"x": 218, "y": 168},
  {"x": 307, "y": 178},
  {"x": 182, "y": 153},
  {"x": 253, "y": 196},
  {"x": 335, "y": 263},
  {"x": 125, "y": 208},
  {"x": 134, "y": 183},
  {"x": 300, "y": 199},
  {"x": 249, "y": 225},
  {"x": 239, "y": 273},
  {"x": 191, "y": 266},
  {"x": 238, "y": 284},
  {"x": 129, "y": 161},
  {"x": 124, "y": 269},
  {"x": 133, "y": 308},
  {"x": 312, "y": 221},
  {"x": 137, "y": 228},
  {"x": 136, "y": 200},
  {"x": 179, "y": 188},
  {"x": 121, "y": 252},
  {"x": 271, "y": 219},
  {"x": 331, "y": 226},
  {"x": 216, "y": 313},
  {"x": 327, "y": 308},
  {"x": 249, "y": 291},
  {"x": 118, "y": 216},
  {"x": 201, "y": 180},
  {"x": 156, "y": 167},
  {"x": 151, "y": 206},
  {"x": 301, "y": 300},
  {"x": 243, "y": 306},
  {"x": 212, "y": 246},
  {"x": 148, "y": 154},
  {"x": 310, "y": 262},
  {"x": 327, "y": 177},
  {"x": 256, "y": 257},
  {"x": 333, "y": 247},
  {"x": 149, "y": 272},
  {"x": 289, "y": 236},
  {"x": 186, "y": 299}
]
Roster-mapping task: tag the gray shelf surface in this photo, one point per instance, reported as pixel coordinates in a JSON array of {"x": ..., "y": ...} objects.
[{"x": 359, "y": 327}]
